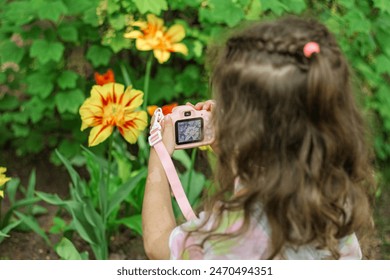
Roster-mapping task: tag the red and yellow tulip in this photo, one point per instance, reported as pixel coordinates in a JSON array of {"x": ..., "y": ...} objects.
[
  {"x": 112, "y": 106},
  {"x": 166, "y": 109},
  {"x": 105, "y": 78}
]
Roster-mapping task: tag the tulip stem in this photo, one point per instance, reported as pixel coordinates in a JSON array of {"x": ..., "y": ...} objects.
[
  {"x": 107, "y": 186},
  {"x": 147, "y": 80}
]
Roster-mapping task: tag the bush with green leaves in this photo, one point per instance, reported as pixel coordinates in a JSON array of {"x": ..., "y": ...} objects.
[{"x": 49, "y": 50}]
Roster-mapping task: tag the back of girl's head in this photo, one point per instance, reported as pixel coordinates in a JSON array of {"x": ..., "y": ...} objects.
[{"x": 288, "y": 127}]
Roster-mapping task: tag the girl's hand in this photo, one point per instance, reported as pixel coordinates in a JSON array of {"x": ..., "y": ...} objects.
[
  {"x": 167, "y": 135},
  {"x": 208, "y": 105}
]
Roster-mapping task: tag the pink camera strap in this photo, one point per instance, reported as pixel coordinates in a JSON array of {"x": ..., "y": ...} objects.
[{"x": 155, "y": 140}]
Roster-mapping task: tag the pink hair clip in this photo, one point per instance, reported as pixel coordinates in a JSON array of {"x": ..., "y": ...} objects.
[{"x": 310, "y": 48}]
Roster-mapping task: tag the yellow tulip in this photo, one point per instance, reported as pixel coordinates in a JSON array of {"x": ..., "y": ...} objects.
[
  {"x": 3, "y": 179},
  {"x": 112, "y": 106},
  {"x": 153, "y": 35}
]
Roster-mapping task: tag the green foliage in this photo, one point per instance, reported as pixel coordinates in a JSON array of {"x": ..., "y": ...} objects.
[
  {"x": 112, "y": 197},
  {"x": 50, "y": 49},
  {"x": 22, "y": 211}
]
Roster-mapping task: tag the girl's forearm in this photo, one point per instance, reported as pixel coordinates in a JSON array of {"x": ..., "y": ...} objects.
[{"x": 158, "y": 219}]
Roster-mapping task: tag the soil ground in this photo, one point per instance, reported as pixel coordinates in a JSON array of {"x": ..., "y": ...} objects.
[{"x": 24, "y": 245}]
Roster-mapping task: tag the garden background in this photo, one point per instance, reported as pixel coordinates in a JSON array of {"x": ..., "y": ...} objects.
[{"x": 67, "y": 200}]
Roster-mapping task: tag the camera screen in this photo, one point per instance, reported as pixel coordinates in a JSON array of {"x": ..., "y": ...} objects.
[{"x": 189, "y": 131}]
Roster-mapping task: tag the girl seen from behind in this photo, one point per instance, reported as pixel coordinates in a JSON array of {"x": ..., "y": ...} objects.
[{"x": 294, "y": 167}]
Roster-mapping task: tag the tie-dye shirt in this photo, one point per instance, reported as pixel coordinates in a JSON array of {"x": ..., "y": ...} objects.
[{"x": 252, "y": 245}]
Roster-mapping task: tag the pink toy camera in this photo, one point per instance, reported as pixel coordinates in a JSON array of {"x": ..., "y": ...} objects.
[{"x": 192, "y": 128}]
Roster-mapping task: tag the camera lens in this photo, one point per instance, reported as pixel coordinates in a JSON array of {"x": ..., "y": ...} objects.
[{"x": 187, "y": 114}]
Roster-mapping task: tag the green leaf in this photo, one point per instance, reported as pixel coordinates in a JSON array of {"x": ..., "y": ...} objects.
[
  {"x": 183, "y": 158},
  {"x": 51, "y": 10},
  {"x": 53, "y": 199},
  {"x": 67, "y": 79},
  {"x": 69, "y": 101},
  {"x": 31, "y": 184},
  {"x": 153, "y": 6},
  {"x": 46, "y": 51},
  {"x": 72, "y": 172},
  {"x": 188, "y": 81},
  {"x": 347, "y": 3},
  {"x": 134, "y": 222},
  {"x": 35, "y": 108},
  {"x": 20, "y": 130},
  {"x": 357, "y": 22},
  {"x": 113, "y": 7},
  {"x": 295, "y": 6},
  {"x": 222, "y": 11},
  {"x": 276, "y": 7},
  {"x": 5, "y": 230},
  {"x": 9, "y": 103},
  {"x": 99, "y": 56},
  {"x": 195, "y": 186},
  {"x": 382, "y": 64},
  {"x": 118, "y": 21},
  {"x": 40, "y": 84},
  {"x": 90, "y": 17},
  {"x": 12, "y": 187},
  {"x": 382, "y": 5},
  {"x": 59, "y": 226},
  {"x": 116, "y": 41},
  {"x": 9, "y": 52},
  {"x": 38, "y": 210},
  {"x": 19, "y": 13},
  {"x": 67, "y": 251},
  {"x": 33, "y": 225},
  {"x": 162, "y": 85},
  {"x": 69, "y": 148},
  {"x": 254, "y": 10},
  {"x": 80, "y": 6},
  {"x": 68, "y": 33},
  {"x": 123, "y": 191}
]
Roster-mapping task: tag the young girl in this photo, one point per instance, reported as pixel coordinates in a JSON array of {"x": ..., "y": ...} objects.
[{"x": 293, "y": 164}]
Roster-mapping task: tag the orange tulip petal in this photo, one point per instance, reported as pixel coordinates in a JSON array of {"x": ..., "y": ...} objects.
[
  {"x": 98, "y": 134},
  {"x": 175, "y": 33},
  {"x": 161, "y": 55},
  {"x": 90, "y": 113},
  {"x": 181, "y": 48},
  {"x": 105, "y": 78},
  {"x": 133, "y": 34},
  {"x": 134, "y": 123},
  {"x": 167, "y": 109},
  {"x": 132, "y": 99},
  {"x": 140, "y": 24},
  {"x": 151, "y": 109},
  {"x": 154, "y": 21},
  {"x": 143, "y": 45}
]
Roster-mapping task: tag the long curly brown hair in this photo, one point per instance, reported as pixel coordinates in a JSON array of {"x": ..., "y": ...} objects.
[{"x": 288, "y": 126}]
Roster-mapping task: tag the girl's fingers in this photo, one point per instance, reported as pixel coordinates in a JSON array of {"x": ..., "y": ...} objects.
[{"x": 207, "y": 105}]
